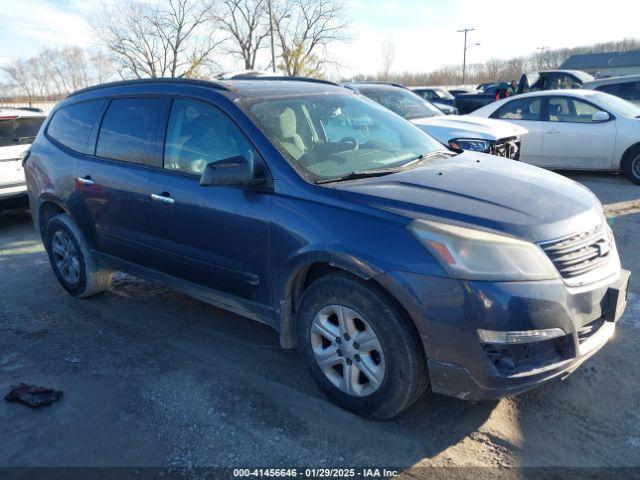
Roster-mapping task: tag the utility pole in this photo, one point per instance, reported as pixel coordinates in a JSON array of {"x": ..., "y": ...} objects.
[
  {"x": 464, "y": 58},
  {"x": 542, "y": 49},
  {"x": 273, "y": 48}
]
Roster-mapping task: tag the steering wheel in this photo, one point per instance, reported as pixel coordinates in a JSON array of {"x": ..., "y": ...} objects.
[{"x": 350, "y": 141}]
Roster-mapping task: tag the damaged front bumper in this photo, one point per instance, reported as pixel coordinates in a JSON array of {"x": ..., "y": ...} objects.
[{"x": 487, "y": 340}]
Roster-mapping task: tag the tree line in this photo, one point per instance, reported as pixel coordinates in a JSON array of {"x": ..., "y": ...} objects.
[
  {"x": 183, "y": 38},
  {"x": 493, "y": 70},
  {"x": 187, "y": 38}
]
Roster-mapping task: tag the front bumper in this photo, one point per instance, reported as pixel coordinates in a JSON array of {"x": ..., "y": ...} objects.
[{"x": 448, "y": 314}]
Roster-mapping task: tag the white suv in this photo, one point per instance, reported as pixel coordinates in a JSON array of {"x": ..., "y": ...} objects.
[{"x": 18, "y": 129}]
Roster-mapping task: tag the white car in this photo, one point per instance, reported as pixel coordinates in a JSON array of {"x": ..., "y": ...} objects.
[
  {"x": 575, "y": 130},
  {"x": 18, "y": 129},
  {"x": 457, "y": 132}
]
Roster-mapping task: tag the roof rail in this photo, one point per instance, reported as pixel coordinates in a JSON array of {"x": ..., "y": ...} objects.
[
  {"x": 193, "y": 81},
  {"x": 284, "y": 78}
]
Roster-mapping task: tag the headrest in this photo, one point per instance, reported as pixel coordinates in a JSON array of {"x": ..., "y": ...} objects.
[{"x": 287, "y": 123}]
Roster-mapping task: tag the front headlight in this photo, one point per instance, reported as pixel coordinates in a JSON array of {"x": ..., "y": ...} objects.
[
  {"x": 474, "y": 254},
  {"x": 473, "y": 144}
]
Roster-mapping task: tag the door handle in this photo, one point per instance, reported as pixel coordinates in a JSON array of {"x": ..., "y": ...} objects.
[
  {"x": 552, "y": 131},
  {"x": 86, "y": 180},
  {"x": 164, "y": 197}
]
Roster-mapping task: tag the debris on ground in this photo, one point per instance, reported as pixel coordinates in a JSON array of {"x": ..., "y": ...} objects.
[{"x": 32, "y": 395}]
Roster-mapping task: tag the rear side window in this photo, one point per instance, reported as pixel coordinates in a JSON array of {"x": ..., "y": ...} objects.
[
  {"x": 19, "y": 131},
  {"x": 630, "y": 91},
  {"x": 71, "y": 125},
  {"x": 613, "y": 88},
  {"x": 127, "y": 130}
]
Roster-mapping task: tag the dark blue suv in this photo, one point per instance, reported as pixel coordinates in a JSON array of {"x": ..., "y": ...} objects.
[{"x": 394, "y": 266}]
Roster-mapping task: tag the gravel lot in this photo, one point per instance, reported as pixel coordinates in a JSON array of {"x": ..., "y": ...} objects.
[{"x": 153, "y": 378}]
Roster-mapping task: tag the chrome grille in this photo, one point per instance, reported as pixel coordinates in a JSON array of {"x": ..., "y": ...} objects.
[{"x": 581, "y": 253}]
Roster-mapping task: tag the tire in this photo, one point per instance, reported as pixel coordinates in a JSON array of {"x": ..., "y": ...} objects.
[
  {"x": 395, "y": 377},
  {"x": 80, "y": 274},
  {"x": 631, "y": 165}
]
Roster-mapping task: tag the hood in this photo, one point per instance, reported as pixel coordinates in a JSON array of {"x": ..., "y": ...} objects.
[
  {"x": 444, "y": 128},
  {"x": 482, "y": 190}
]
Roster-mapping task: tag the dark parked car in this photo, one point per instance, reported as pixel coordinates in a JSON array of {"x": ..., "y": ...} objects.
[
  {"x": 529, "y": 82},
  {"x": 393, "y": 265}
]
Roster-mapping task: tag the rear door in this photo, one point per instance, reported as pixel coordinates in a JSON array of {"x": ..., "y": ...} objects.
[
  {"x": 215, "y": 237},
  {"x": 111, "y": 183},
  {"x": 526, "y": 112},
  {"x": 573, "y": 140}
]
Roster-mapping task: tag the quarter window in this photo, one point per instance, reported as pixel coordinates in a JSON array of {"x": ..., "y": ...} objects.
[
  {"x": 71, "y": 125},
  {"x": 199, "y": 134},
  {"x": 521, "y": 109},
  {"x": 127, "y": 130}
]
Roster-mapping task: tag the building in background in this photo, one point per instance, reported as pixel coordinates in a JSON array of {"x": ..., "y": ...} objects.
[{"x": 605, "y": 64}]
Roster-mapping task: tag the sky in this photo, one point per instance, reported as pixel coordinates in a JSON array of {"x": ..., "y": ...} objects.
[{"x": 424, "y": 31}]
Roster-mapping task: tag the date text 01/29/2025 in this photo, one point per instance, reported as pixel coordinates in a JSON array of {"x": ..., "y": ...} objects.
[{"x": 315, "y": 472}]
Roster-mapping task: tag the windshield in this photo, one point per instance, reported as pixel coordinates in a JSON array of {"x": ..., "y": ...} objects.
[
  {"x": 329, "y": 136},
  {"x": 19, "y": 131},
  {"x": 443, "y": 94},
  {"x": 617, "y": 105},
  {"x": 403, "y": 102}
]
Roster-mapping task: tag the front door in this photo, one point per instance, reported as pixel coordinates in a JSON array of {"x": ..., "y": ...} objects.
[
  {"x": 573, "y": 140},
  {"x": 216, "y": 237},
  {"x": 527, "y": 113}
]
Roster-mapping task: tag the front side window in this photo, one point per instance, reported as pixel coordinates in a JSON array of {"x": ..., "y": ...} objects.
[
  {"x": 127, "y": 130},
  {"x": 403, "y": 102},
  {"x": 199, "y": 134},
  {"x": 521, "y": 109},
  {"x": 19, "y": 131},
  {"x": 72, "y": 125},
  {"x": 328, "y": 136},
  {"x": 570, "y": 110}
]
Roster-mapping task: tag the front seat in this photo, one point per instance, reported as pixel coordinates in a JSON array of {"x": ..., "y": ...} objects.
[{"x": 287, "y": 132}]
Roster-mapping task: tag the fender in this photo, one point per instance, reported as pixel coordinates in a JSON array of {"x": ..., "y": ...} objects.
[{"x": 287, "y": 283}]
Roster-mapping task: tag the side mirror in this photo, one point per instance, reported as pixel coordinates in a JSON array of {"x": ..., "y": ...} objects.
[
  {"x": 234, "y": 171},
  {"x": 600, "y": 116}
]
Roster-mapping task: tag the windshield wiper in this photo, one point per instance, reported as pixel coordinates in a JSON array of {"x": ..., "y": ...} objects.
[{"x": 360, "y": 174}]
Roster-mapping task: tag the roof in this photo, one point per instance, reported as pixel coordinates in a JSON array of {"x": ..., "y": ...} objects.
[
  {"x": 594, "y": 61},
  {"x": 612, "y": 80},
  {"x": 249, "y": 87},
  {"x": 19, "y": 112}
]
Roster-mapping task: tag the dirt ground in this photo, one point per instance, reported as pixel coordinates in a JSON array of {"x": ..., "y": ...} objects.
[{"x": 153, "y": 378}]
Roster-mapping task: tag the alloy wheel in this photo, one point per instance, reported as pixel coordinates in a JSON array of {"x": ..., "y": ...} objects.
[
  {"x": 66, "y": 257},
  {"x": 347, "y": 350}
]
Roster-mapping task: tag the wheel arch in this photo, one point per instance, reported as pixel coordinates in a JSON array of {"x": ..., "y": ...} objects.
[
  {"x": 48, "y": 207},
  {"x": 627, "y": 153},
  {"x": 303, "y": 273}
]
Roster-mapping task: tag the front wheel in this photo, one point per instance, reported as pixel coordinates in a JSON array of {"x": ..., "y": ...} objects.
[
  {"x": 631, "y": 166},
  {"x": 360, "y": 347}
]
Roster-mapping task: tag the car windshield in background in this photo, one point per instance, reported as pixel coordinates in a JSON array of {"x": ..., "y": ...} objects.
[
  {"x": 333, "y": 136},
  {"x": 19, "y": 131},
  {"x": 443, "y": 94},
  {"x": 618, "y": 105},
  {"x": 403, "y": 102}
]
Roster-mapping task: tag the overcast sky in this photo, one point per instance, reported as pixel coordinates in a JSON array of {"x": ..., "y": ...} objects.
[{"x": 424, "y": 31}]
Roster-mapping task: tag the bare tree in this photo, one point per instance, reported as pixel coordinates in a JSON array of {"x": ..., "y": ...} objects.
[
  {"x": 304, "y": 28},
  {"x": 246, "y": 22},
  {"x": 388, "y": 57},
  {"x": 21, "y": 78},
  {"x": 174, "y": 39}
]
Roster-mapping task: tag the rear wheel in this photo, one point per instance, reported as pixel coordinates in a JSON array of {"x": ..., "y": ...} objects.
[
  {"x": 631, "y": 165},
  {"x": 360, "y": 347},
  {"x": 72, "y": 262}
]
